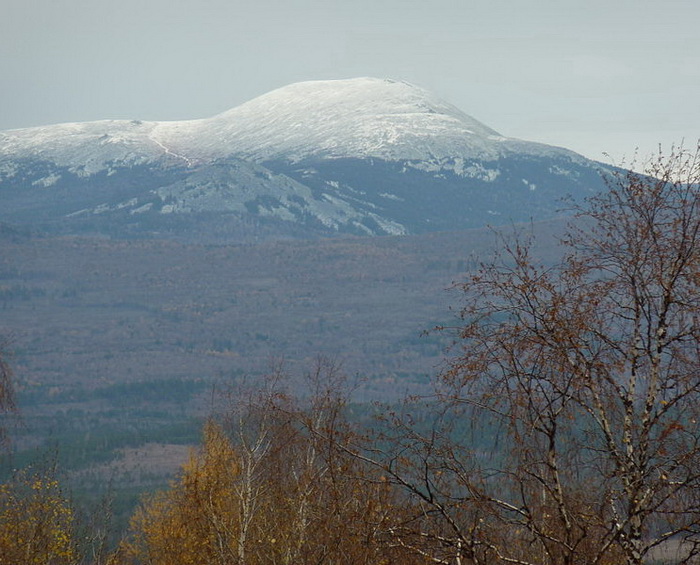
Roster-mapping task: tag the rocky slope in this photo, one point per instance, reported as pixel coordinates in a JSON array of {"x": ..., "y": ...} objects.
[{"x": 363, "y": 156}]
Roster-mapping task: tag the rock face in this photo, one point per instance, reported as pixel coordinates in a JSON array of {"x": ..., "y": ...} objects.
[{"x": 363, "y": 156}]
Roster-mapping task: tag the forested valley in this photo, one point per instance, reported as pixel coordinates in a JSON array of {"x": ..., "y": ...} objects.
[{"x": 561, "y": 426}]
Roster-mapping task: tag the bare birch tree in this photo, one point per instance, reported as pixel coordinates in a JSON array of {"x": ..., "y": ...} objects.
[
  {"x": 565, "y": 428},
  {"x": 592, "y": 368},
  {"x": 7, "y": 396}
]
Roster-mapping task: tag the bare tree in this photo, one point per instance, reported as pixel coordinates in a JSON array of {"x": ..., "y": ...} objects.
[
  {"x": 7, "y": 393},
  {"x": 269, "y": 486},
  {"x": 565, "y": 428},
  {"x": 592, "y": 367}
]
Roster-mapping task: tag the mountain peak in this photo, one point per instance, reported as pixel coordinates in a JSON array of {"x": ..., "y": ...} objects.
[
  {"x": 360, "y": 117},
  {"x": 364, "y": 98},
  {"x": 358, "y": 156}
]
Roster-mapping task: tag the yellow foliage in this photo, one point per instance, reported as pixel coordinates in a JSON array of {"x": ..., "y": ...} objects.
[
  {"x": 278, "y": 498},
  {"x": 192, "y": 523},
  {"x": 36, "y": 522}
]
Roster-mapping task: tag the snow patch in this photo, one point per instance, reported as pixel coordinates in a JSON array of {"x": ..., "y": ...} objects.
[
  {"x": 278, "y": 212},
  {"x": 390, "y": 227},
  {"x": 8, "y": 170},
  {"x": 457, "y": 166},
  {"x": 142, "y": 209},
  {"x": 557, "y": 170},
  {"x": 82, "y": 212},
  {"x": 48, "y": 181},
  {"x": 390, "y": 196},
  {"x": 127, "y": 204}
]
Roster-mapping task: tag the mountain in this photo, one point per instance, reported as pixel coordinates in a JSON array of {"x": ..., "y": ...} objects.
[{"x": 360, "y": 156}]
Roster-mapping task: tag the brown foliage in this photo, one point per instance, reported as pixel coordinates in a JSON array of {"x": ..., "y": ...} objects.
[
  {"x": 565, "y": 428},
  {"x": 270, "y": 486},
  {"x": 591, "y": 370},
  {"x": 7, "y": 396}
]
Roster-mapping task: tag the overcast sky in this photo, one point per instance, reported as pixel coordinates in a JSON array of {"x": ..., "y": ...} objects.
[{"x": 593, "y": 76}]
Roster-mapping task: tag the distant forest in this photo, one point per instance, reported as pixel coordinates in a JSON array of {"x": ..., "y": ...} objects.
[{"x": 561, "y": 426}]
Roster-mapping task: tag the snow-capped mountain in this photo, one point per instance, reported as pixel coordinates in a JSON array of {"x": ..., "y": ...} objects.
[{"x": 365, "y": 156}]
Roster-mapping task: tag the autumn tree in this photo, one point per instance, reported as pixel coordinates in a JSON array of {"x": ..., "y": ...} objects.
[
  {"x": 195, "y": 521},
  {"x": 592, "y": 368},
  {"x": 37, "y": 523},
  {"x": 270, "y": 486},
  {"x": 565, "y": 426},
  {"x": 36, "y": 520},
  {"x": 314, "y": 509},
  {"x": 7, "y": 396}
]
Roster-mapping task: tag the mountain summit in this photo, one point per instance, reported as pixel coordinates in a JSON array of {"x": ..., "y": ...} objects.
[
  {"x": 357, "y": 118},
  {"x": 364, "y": 156}
]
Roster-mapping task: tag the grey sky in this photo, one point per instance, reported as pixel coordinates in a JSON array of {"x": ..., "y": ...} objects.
[{"x": 594, "y": 76}]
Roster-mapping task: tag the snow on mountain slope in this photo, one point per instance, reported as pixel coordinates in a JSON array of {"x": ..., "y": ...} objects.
[
  {"x": 360, "y": 156},
  {"x": 85, "y": 147},
  {"x": 355, "y": 118},
  {"x": 359, "y": 118}
]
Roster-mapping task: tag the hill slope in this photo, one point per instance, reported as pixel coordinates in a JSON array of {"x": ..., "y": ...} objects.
[{"x": 363, "y": 156}]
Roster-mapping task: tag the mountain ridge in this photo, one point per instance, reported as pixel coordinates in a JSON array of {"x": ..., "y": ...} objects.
[
  {"x": 365, "y": 117},
  {"x": 331, "y": 157}
]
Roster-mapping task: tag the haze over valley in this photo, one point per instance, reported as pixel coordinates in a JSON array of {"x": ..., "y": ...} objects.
[{"x": 147, "y": 267}]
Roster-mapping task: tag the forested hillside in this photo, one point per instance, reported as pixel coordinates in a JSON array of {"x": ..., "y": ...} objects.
[{"x": 562, "y": 427}]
